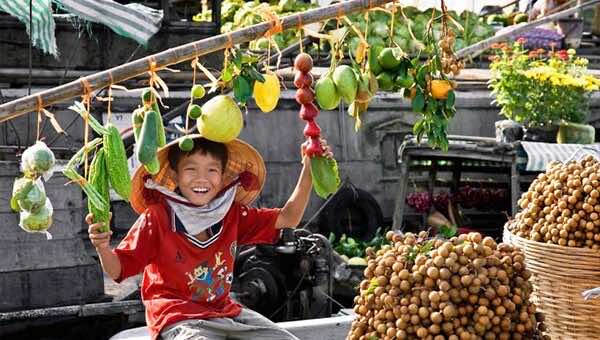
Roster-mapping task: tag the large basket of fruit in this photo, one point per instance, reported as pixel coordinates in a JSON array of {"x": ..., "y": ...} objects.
[{"x": 558, "y": 230}]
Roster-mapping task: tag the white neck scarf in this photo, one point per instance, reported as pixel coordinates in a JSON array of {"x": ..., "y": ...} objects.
[{"x": 196, "y": 219}]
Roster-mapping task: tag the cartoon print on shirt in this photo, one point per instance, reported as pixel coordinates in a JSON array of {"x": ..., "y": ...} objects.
[{"x": 207, "y": 283}]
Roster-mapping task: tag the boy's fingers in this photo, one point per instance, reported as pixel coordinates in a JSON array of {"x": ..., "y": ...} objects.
[
  {"x": 95, "y": 228},
  {"x": 100, "y": 236},
  {"x": 88, "y": 218}
]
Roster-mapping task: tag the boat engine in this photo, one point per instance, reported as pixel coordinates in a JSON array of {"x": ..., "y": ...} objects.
[{"x": 286, "y": 281}]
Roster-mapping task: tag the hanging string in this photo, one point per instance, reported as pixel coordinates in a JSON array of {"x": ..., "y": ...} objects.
[
  {"x": 187, "y": 117},
  {"x": 41, "y": 111},
  {"x": 276, "y": 27},
  {"x": 393, "y": 14},
  {"x": 229, "y": 40},
  {"x": 156, "y": 80},
  {"x": 108, "y": 110},
  {"x": 39, "y": 116},
  {"x": 86, "y": 98},
  {"x": 300, "y": 28}
]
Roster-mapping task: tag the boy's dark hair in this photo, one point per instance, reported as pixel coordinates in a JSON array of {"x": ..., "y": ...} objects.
[{"x": 204, "y": 147}]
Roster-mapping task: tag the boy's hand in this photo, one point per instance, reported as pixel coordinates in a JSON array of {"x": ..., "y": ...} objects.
[
  {"x": 98, "y": 239},
  {"x": 326, "y": 149}
]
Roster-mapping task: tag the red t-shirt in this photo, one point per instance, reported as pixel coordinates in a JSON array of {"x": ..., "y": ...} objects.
[{"x": 185, "y": 278}]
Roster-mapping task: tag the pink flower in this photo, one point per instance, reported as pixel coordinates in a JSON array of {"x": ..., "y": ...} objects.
[
  {"x": 562, "y": 54},
  {"x": 521, "y": 40}
]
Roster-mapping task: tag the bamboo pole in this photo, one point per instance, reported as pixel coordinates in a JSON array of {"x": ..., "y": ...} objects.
[
  {"x": 176, "y": 55},
  {"x": 485, "y": 44}
]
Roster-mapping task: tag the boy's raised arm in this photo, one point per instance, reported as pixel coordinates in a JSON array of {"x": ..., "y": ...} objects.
[{"x": 293, "y": 210}]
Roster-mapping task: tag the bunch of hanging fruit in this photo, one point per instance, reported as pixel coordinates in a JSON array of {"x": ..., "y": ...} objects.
[
  {"x": 108, "y": 169},
  {"x": 324, "y": 170},
  {"x": 28, "y": 195}
]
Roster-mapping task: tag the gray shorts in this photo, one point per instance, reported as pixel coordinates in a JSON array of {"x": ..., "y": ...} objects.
[{"x": 248, "y": 325}]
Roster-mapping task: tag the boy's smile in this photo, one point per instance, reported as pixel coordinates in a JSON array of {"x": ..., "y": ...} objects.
[{"x": 199, "y": 177}]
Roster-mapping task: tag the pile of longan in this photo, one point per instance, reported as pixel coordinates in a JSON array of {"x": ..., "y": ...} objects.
[
  {"x": 464, "y": 288},
  {"x": 562, "y": 206}
]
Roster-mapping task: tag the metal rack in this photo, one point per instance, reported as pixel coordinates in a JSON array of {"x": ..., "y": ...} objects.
[{"x": 466, "y": 155}]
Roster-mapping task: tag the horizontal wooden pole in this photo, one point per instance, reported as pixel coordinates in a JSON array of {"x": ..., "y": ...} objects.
[
  {"x": 176, "y": 55},
  {"x": 485, "y": 44}
]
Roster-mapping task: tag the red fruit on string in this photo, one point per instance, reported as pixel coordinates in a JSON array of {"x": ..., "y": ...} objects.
[
  {"x": 303, "y": 62},
  {"x": 312, "y": 129},
  {"x": 305, "y": 96},
  {"x": 309, "y": 111},
  {"x": 303, "y": 80}
]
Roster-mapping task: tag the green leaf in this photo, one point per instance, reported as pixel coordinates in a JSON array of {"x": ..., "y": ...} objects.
[
  {"x": 450, "y": 101},
  {"x": 426, "y": 248},
  {"x": 448, "y": 231},
  {"x": 325, "y": 175},
  {"x": 418, "y": 103},
  {"x": 242, "y": 89},
  {"x": 331, "y": 238},
  {"x": 421, "y": 73},
  {"x": 254, "y": 74}
]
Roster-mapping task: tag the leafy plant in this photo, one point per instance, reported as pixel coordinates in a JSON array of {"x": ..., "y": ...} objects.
[
  {"x": 540, "y": 87},
  {"x": 240, "y": 72},
  {"x": 355, "y": 248}
]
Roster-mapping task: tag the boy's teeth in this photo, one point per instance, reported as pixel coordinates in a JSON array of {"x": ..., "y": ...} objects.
[{"x": 200, "y": 190}]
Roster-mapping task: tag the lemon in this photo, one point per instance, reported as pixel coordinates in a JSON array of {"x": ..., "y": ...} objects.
[{"x": 266, "y": 94}]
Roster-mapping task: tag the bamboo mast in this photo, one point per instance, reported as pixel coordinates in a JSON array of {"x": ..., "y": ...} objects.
[{"x": 176, "y": 55}]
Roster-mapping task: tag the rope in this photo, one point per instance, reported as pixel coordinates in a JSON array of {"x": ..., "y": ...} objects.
[
  {"x": 40, "y": 107},
  {"x": 87, "y": 98},
  {"x": 109, "y": 112},
  {"x": 300, "y": 28},
  {"x": 187, "y": 117},
  {"x": 229, "y": 40}
]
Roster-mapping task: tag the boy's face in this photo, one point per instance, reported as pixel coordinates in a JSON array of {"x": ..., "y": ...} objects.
[{"x": 199, "y": 177}]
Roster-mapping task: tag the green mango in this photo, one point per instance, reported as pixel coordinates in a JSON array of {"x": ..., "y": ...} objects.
[
  {"x": 390, "y": 58},
  {"x": 345, "y": 82},
  {"x": 326, "y": 93},
  {"x": 404, "y": 80},
  {"x": 385, "y": 80}
]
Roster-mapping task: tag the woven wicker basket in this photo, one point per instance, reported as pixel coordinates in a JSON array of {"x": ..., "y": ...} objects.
[{"x": 559, "y": 276}]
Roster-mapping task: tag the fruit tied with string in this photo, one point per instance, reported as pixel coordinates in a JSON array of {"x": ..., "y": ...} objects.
[
  {"x": 308, "y": 111},
  {"x": 266, "y": 94},
  {"x": 324, "y": 170},
  {"x": 221, "y": 120},
  {"x": 450, "y": 62}
]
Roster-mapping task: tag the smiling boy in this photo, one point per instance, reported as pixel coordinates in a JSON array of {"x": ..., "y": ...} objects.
[{"x": 193, "y": 215}]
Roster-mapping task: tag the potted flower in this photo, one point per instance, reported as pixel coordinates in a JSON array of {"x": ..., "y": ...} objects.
[{"x": 544, "y": 91}]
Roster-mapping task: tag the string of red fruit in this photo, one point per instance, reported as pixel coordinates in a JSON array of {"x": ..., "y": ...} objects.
[{"x": 308, "y": 110}]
